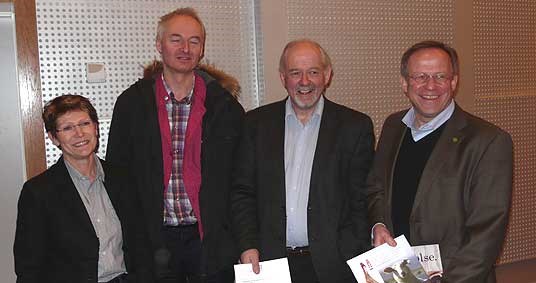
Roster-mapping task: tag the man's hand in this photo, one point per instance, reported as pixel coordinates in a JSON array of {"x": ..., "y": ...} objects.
[
  {"x": 382, "y": 235},
  {"x": 251, "y": 256}
]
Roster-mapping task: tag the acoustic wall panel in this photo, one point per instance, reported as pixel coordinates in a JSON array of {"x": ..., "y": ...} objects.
[
  {"x": 120, "y": 34},
  {"x": 505, "y": 94},
  {"x": 365, "y": 40},
  {"x": 504, "y": 48}
]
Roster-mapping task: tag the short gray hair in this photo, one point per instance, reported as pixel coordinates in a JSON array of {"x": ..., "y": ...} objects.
[{"x": 324, "y": 57}]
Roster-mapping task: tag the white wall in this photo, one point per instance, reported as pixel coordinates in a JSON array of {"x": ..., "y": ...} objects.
[{"x": 12, "y": 172}]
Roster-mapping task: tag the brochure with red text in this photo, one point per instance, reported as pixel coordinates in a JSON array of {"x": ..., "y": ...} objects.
[{"x": 386, "y": 264}]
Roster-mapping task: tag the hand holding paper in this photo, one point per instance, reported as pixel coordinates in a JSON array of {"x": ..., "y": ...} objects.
[
  {"x": 381, "y": 235},
  {"x": 251, "y": 256}
]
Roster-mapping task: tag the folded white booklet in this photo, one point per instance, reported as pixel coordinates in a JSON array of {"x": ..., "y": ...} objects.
[
  {"x": 388, "y": 264},
  {"x": 272, "y": 271}
]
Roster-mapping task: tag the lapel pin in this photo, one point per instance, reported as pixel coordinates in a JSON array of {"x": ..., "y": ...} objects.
[{"x": 455, "y": 140}]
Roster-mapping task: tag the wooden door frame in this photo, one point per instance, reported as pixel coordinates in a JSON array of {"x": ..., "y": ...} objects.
[{"x": 29, "y": 81}]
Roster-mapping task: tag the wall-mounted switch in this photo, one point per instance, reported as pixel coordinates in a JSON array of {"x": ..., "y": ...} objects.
[{"x": 95, "y": 73}]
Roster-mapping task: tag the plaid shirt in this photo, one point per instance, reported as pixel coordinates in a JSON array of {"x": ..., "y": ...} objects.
[{"x": 177, "y": 207}]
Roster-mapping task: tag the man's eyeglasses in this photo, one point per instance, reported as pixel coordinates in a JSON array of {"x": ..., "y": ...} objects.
[
  {"x": 422, "y": 78},
  {"x": 71, "y": 128}
]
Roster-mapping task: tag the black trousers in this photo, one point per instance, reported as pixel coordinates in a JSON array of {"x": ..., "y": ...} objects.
[
  {"x": 301, "y": 267},
  {"x": 123, "y": 278},
  {"x": 180, "y": 261}
]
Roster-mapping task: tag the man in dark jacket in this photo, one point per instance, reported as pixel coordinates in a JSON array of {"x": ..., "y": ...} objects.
[
  {"x": 299, "y": 183},
  {"x": 176, "y": 130},
  {"x": 441, "y": 175}
]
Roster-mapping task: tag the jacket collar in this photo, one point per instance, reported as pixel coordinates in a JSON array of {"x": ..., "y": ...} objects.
[{"x": 68, "y": 194}]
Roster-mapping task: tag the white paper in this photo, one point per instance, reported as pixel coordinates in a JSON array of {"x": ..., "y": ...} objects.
[{"x": 272, "y": 271}]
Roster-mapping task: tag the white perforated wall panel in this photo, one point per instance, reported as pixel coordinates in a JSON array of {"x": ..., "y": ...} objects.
[
  {"x": 365, "y": 40},
  {"x": 121, "y": 33},
  {"x": 505, "y": 94}
]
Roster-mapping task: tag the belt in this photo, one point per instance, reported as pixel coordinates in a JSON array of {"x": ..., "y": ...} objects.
[
  {"x": 119, "y": 279},
  {"x": 181, "y": 226},
  {"x": 298, "y": 251}
]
